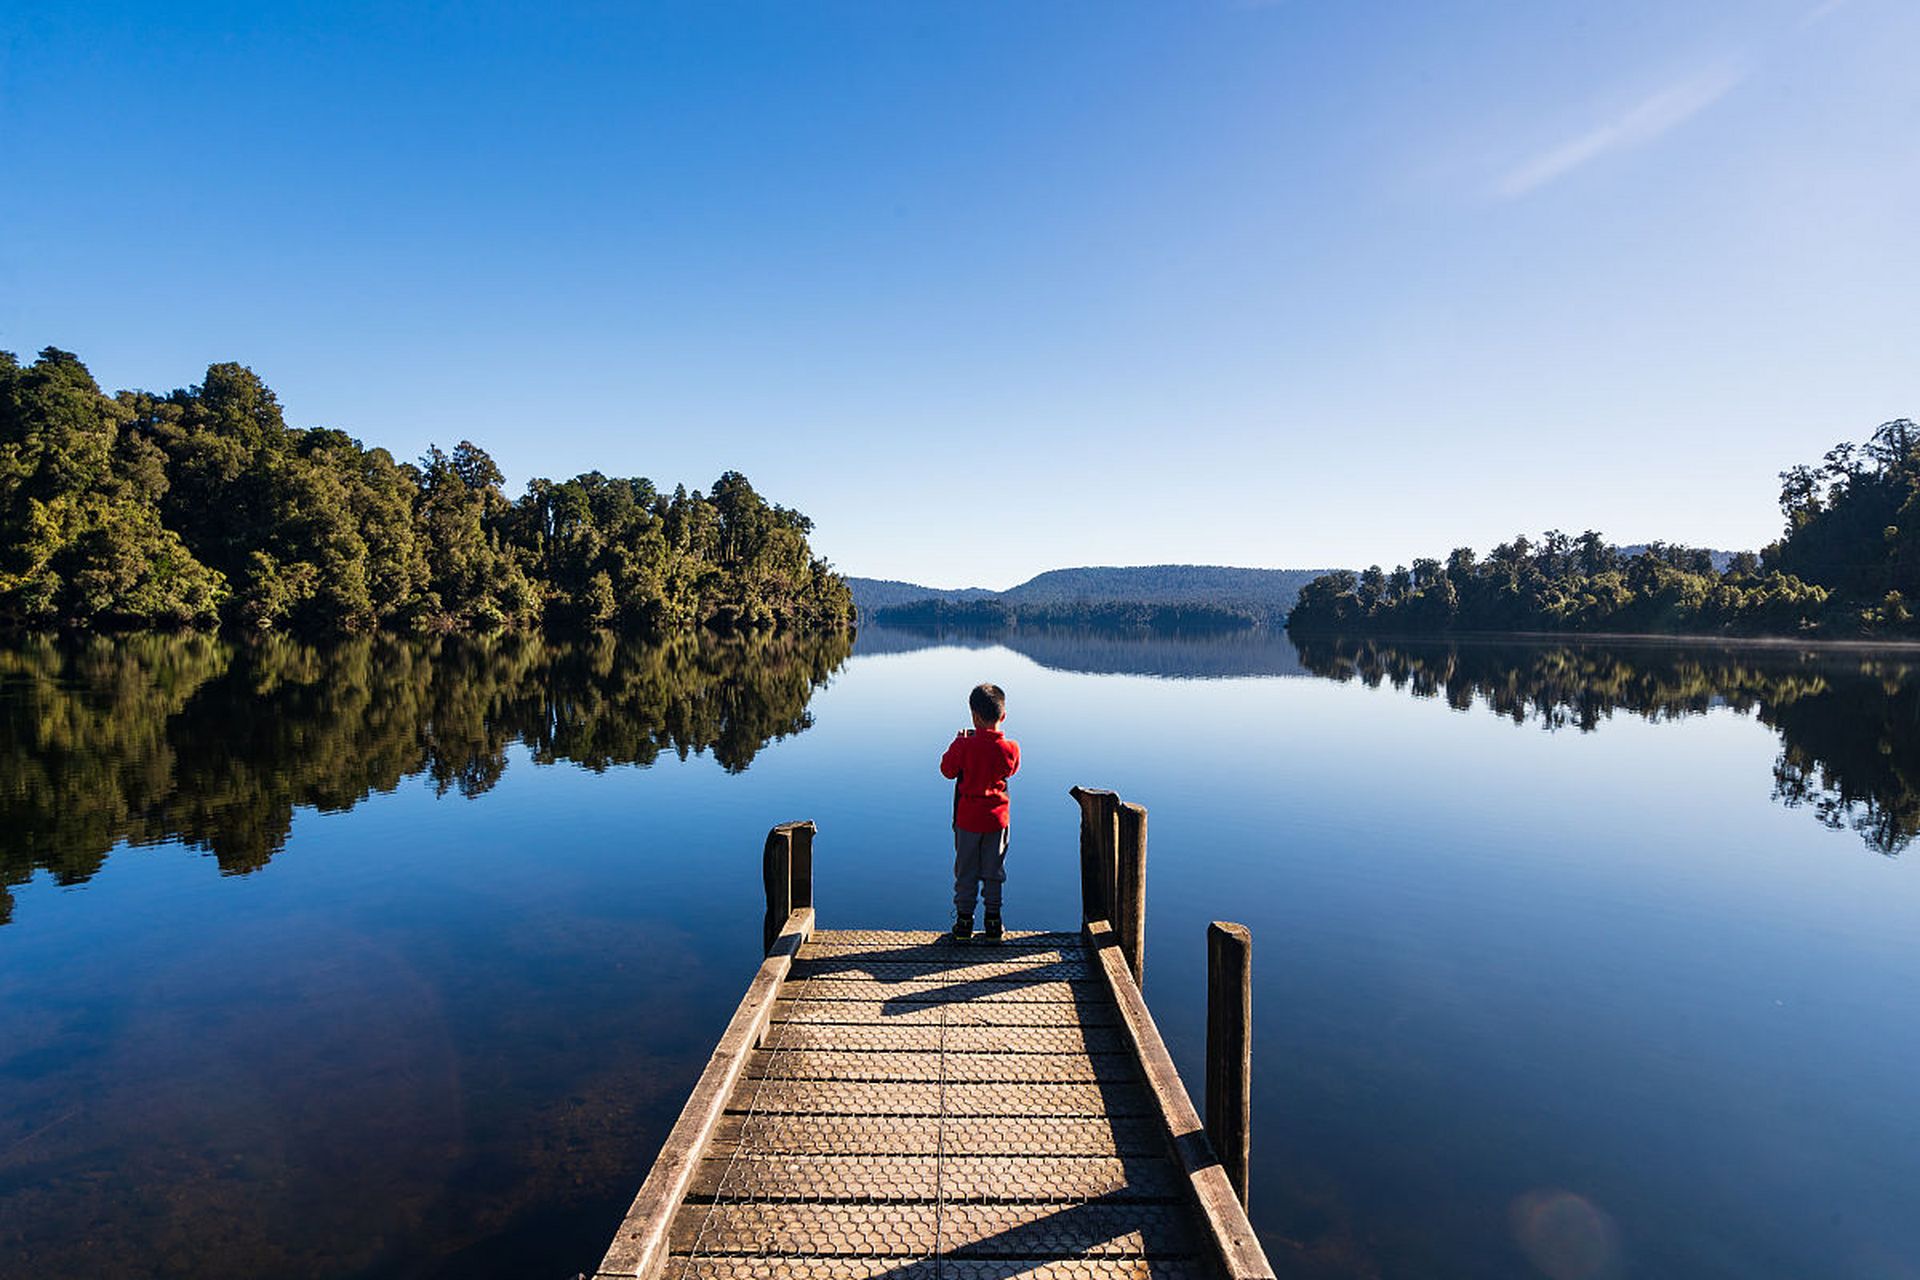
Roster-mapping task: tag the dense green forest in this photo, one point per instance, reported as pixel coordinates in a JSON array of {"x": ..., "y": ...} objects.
[
  {"x": 215, "y": 742},
  {"x": 1848, "y": 564},
  {"x": 1849, "y": 724},
  {"x": 202, "y": 506}
]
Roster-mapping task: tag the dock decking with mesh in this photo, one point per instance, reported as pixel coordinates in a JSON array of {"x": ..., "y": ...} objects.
[
  {"x": 892, "y": 1104},
  {"x": 918, "y": 1108}
]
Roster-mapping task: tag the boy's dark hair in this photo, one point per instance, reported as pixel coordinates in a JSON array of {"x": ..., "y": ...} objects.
[{"x": 989, "y": 702}]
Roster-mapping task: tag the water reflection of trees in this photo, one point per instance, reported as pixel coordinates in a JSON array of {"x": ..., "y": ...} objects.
[
  {"x": 192, "y": 738},
  {"x": 1849, "y": 721}
]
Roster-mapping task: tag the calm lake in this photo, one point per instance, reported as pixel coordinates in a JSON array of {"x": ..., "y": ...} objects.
[{"x": 397, "y": 958}]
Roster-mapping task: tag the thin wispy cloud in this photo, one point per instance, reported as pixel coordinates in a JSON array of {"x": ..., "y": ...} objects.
[{"x": 1651, "y": 118}]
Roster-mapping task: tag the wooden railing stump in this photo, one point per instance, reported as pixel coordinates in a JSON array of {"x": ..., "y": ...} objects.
[
  {"x": 1113, "y": 870},
  {"x": 1229, "y": 1090},
  {"x": 1130, "y": 886},
  {"x": 1099, "y": 837},
  {"x": 786, "y": 867}
]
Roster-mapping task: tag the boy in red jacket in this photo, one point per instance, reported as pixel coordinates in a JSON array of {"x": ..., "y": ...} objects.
[{"x": 980, "y": 761}]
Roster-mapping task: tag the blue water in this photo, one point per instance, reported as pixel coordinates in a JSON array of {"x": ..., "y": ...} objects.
[{"x": 1527, "y": 1002}]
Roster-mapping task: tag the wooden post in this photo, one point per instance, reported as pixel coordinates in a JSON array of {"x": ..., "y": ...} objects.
[
  {"x": 801, "y": 876},
  {"x": 786, "y": 867},
  {"x": 776, "y": 869},
  {"x": 1089, "y": 887},
  {"x": 1130, "y": 886},
  {"x": 1098, "y": 839},
  {"x": 1230, "y": 1047}
]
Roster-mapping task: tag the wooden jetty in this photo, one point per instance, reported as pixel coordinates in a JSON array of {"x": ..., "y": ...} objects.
[{"x": 891, "y": 1104}]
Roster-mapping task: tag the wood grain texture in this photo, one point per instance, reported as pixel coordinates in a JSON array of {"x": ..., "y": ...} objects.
[
  {"x": 1229, "y": 1090},
  {"x": 1130, "y": 885},
  {"x": 1099, "y": 835},
  {"x": 1225, "y": 1218}
]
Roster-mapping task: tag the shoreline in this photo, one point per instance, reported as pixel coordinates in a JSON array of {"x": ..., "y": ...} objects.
[{"x": 1619, "y": 637}]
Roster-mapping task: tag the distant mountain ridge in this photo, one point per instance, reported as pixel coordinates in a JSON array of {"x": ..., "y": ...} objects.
[
  {"x": 1266, "y": 652},
  {"x": 1265, "y": 594},
  {"x": 881, "y": 593}
]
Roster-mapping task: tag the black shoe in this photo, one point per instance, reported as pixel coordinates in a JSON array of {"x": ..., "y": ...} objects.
[
  {"x": 994, "y": 931},
  {"x": 963, "y": 928}
]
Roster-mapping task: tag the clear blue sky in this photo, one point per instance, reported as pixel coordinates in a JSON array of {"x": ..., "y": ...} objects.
[{"x": 993, "y": 287}]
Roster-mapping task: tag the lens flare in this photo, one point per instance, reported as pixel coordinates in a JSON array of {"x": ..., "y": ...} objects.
[{"x": 1564, "y": 1235}]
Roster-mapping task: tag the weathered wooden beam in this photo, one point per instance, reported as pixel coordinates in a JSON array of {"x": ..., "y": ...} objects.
[
  {"x": 1221, "y": 1211},
  {"x": 1130, "y": 886},
  {"x": 786, "y": 867},
  {"x": 776, "y": 871},
  {"x": 801, "y": 867},
  {"x": 1099, "y": 838},
  {"x": 1229, "y": 1099},
  {"x": 640, "y": 1246}
]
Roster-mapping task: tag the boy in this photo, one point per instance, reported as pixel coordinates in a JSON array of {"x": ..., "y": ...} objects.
[{"x": 980, "y": 761}]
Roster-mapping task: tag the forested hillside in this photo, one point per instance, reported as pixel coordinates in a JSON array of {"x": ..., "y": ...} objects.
[
  {"x": 1847, "y": 564},
  {"x": 1266, "y": 592},
  {"x": 881, "y": 593},
  {"x": 202, "y": 506},
  {"x": 1167, "y": 596}
]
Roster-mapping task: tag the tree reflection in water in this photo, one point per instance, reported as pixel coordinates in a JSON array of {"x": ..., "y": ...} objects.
[
  {"x": 152, "y": 738},
  {"x": 1848, "y": 720}
]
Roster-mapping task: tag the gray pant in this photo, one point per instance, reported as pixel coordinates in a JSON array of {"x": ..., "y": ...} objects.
[{"x": 979, "y": 866}]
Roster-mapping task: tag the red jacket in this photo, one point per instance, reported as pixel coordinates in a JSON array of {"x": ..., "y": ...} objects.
[{"x": 980, "y": 762}]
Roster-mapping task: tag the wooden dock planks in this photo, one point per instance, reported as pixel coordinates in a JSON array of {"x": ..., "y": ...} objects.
[{"x": 893, "y": 1105}]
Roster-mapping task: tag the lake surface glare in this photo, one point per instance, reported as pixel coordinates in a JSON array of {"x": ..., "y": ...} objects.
[{"x": 397, "y": 958}]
